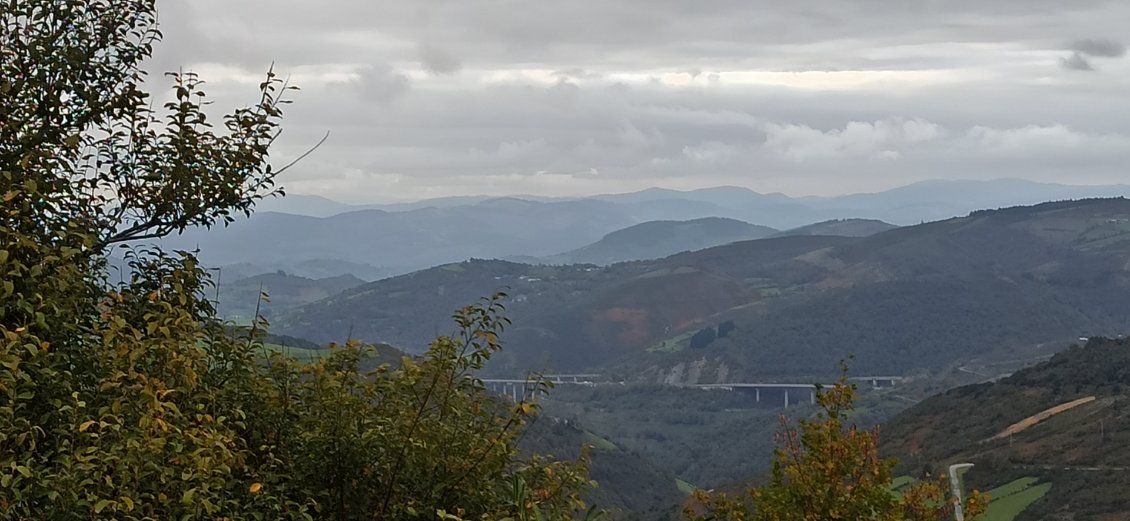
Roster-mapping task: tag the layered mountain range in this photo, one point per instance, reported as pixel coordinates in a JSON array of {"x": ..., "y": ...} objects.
[
  {"x": 316, "y": 238},
  {"x": 912, "y": 298}
]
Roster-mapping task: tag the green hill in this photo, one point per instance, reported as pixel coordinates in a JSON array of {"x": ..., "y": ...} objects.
[
  {"x": 841, "y": 228},
  {"x": 917, "y": 297},
  {"x": 629, "y": 486},
  {"x": 1070, "y": 434},
  {"x": 238, "y": 299},
  {"x": 658, "y": 239}
]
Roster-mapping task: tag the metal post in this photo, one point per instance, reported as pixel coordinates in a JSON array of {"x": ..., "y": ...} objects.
[
  {"x": 813, "y": 396},
  {"x": 786, "y": 398},
  {"x": 757, "y": 394}
]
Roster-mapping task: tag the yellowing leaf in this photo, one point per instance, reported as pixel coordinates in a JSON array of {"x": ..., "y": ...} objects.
[
  {"x": 255, "y": 488},
  {"x": 86, "y": 425}
]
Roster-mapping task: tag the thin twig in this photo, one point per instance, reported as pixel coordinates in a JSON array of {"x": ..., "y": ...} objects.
[{"x": 304, "y": 154}]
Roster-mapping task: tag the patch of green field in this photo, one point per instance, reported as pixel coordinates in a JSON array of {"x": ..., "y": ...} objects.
[
  {"x": 1013, "y": 487},
  {"x": 685, "y": 487},
  {"x": 457, "y": 268},
  {"x": 1009, "y": 500},
  {"x": 673, "y": 344},
  {"x": 598, "y": 442},
  {"x": 901, "y": 482}
]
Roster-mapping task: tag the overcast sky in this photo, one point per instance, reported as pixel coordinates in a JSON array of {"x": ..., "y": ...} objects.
[{"x": 569, "y": 97}]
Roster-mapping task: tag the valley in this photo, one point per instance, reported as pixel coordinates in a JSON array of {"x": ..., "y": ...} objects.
[{"x": 685, "y": 360}]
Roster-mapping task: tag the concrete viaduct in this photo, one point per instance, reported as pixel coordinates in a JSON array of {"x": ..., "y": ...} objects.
[{"x": 518, "y": 388}]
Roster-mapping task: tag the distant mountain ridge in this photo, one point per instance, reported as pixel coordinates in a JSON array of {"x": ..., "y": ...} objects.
[
  {"x": 911, "y": 298},
  {"x": 910, "y": 204},
  {"x": 658, "y": 239},
  {"x": 389, "y": 239}
]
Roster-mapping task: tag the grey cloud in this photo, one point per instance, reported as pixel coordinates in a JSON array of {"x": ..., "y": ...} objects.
[
  {"x": 1076, "y": 62},
  {"x": 553, "y": 90},
  {"x": 437, "y": 61},
  {"x": 645, "y": 136},
  {"x": 613, "y": 34},
  {"x": 380, "y": 83},
  {"x": 1083, "y": 50},
  {"x": 577, "y": 73},
  {"x": 1101, "y": 48}
]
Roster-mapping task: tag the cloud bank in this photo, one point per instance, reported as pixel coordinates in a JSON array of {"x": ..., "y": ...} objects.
[{"x": 431, "y": 97}]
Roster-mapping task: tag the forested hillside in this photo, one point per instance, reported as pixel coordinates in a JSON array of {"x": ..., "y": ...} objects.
[
  {"x": 918, "y": 297},
  {"x": 1080, "y": 445},
  {"x": 841, "y": 227}
]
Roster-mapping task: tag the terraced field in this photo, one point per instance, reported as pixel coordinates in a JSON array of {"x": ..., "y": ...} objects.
[
  {"x": 1009, "y": 500},
  {"x": 1005, "y": 502}
]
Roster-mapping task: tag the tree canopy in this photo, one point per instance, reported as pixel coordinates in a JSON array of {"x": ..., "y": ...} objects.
[
  {"x": 827, "y": 469},
  {"x": 131, "y": 400}
]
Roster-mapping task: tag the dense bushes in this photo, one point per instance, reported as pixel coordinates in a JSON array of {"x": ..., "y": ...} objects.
[{"x": 131, "y": 400}]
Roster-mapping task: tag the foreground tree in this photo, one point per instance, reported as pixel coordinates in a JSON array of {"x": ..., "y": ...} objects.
[
  {"x": 827, "y": 469},
  {"x": 132, "y": 400}
]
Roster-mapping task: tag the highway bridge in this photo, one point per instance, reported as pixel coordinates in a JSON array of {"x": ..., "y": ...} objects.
[
  {"x": 517, "y": 388},
  {"x": 520, "y": 388}
]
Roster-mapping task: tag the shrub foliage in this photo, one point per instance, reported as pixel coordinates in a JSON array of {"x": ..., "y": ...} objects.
[{"x": 130, "y": 400}]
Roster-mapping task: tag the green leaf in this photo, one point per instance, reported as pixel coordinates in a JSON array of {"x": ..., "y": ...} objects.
[{"x": 101, "y": 505}]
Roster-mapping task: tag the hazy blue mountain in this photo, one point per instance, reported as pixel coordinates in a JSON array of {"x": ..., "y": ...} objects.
[
  {"x": 942, "y": 199},
  {"x": 915, "y": 297},
  {"x": 400, "y": 242},
  {"x": 317, "y": 238},
  {"x": 658, "y": 239},
  {"x": 298, "y": 204},
  {"x": 310, "y": 268}
]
